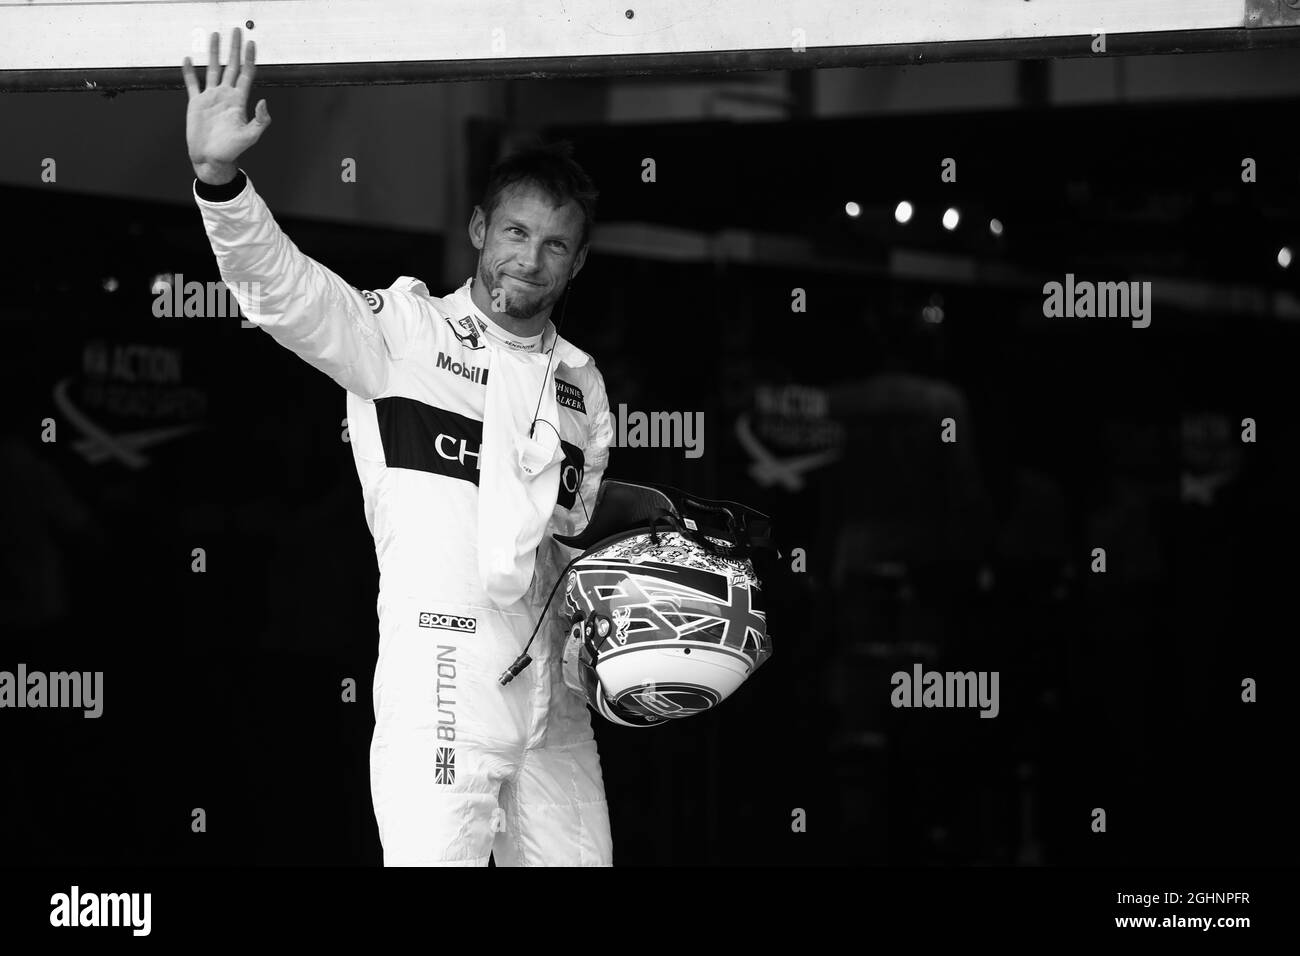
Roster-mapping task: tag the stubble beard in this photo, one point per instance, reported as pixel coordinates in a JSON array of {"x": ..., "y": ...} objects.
[{"x": 518, "y": 305}]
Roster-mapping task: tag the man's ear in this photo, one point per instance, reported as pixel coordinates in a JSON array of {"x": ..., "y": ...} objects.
[
  {"x": 477, "y": 227},
  {"x": 578, "y": 262}
]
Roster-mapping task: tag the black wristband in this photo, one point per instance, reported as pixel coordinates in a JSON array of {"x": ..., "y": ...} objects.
[{"x": 221, "y": 193}]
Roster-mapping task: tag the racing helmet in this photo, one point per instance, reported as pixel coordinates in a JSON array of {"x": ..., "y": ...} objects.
[{"x": 665, "y": 607}]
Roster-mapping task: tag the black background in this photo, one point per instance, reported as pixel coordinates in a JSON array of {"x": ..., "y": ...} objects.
[{"x": 1119, "y": 690}]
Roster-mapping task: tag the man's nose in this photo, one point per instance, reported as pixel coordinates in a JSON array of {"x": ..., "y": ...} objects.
[{"x": 528, "y": 257}]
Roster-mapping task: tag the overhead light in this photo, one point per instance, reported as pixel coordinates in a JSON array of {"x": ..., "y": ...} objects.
[
  {"x": 950, "y": 218},
  {"x": 903, "y": 211},
  {"x": 1284, "y": 257},
  {"x": 853, "y": 209},
  {"x": 995, "y": 226}
]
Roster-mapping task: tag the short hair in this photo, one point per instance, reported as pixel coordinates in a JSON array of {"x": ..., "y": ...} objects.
[{"x": 551, "y": 168}]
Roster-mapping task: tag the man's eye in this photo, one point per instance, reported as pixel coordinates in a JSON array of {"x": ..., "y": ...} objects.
[{"x": 514, "y": 229}]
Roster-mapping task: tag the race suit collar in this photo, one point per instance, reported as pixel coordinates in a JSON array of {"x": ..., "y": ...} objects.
[
  {"x": 564, "y": 351},
  {"x": 494, "y": 331}
]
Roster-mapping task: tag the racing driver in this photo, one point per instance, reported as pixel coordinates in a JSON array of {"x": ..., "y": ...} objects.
[{"x": 461, "y": 767}]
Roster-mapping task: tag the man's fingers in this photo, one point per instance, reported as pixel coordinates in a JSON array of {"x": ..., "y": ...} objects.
[
  {"x": 261, "y": 115},
  {"x": 232, "y": 68},
  {"x": 191, "y": 80},
  {"x": 250, "y": 67},
  {"x": 214, "y": 65}
]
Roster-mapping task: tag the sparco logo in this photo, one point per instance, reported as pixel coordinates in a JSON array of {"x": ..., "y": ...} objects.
[
  {"x": 448, "y": 622},
  {"x": 464, "y": 370}
]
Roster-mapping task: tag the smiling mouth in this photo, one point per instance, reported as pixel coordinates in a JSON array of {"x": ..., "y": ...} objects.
[{"x": 520, "y": 281}]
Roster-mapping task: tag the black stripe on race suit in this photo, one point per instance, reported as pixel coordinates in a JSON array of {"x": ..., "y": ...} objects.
[{"x": 421, "y": 437}]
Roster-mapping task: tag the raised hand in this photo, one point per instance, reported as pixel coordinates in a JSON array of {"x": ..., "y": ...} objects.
[{"x": 216, "y": 129}]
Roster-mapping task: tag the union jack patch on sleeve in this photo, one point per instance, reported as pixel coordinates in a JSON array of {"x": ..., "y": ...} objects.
[{"x": 444, "y": 767}]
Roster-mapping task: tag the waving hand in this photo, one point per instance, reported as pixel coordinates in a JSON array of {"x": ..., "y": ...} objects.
[{"x": 216, "y": 128}]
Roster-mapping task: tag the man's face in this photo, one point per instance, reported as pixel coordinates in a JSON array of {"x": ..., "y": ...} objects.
[{"x": 529, "y": 251}]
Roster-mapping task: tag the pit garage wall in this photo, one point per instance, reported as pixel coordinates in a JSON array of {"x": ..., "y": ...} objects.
[{"x": 410, "y": 142}]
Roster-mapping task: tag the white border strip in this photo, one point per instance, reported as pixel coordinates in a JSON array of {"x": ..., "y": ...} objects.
[{"x": 107, "y": 34}]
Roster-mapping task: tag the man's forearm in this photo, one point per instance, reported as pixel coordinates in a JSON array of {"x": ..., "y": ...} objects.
[{"x": 303, "y": 305}]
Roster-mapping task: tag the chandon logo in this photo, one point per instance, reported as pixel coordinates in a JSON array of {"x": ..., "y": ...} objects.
[
  {"x": 446, "y": 447},
  {"x": 570, "y": 478},
  {"x": 422, "y": 437}
]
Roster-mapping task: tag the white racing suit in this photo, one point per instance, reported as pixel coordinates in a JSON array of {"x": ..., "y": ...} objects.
[{"x": 460, "y": 767}]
